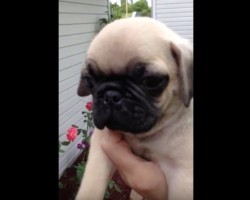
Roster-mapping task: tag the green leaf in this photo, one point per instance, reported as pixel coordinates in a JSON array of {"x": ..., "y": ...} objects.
[
  {"x": 117, "y": 188},
  {"x": 80, "y": 168},
  {"x": 84, "y": 132},
  {"x": 78, "y": 131},
  {"x": 103, "y": 21},
  {"x": 87, "y": 138},
  {"x": 111, "y": 184},
  {"x": 74, "y": 126},
  {"x": 61, "y": 151},
  {"x": 107, "y": 194},
  {"x": 89, "y": 124},
  {"x": 60, "y": 185},
  {"x": 65, "y": 143}
]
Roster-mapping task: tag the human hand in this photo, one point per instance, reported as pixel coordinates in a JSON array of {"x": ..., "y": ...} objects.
[{"x": 145, "y": 177}]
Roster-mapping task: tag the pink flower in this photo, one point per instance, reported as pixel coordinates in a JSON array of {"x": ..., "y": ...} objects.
[
  {"x": 89, "y": 105},
  {"x": 72, "y": 133}
]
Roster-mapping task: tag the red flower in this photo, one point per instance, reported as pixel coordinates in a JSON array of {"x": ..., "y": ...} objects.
[
  {"x": 89, "y": 105},
  {"x": 72, "y": 133}
]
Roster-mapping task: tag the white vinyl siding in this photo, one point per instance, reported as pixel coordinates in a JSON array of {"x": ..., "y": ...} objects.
[
  {"x": 78, "y": 24},
  {"x": 176, "y": 14}
]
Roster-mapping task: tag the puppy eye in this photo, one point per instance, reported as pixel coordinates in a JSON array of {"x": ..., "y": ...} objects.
[
  {"x": 152, "y": 82},
  {"x": 88, "y": 82}
]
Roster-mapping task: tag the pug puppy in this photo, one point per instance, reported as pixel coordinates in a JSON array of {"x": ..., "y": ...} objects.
[{"x": 140, "y": 74}]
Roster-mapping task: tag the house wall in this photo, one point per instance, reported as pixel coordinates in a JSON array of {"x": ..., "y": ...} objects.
[
  {"x": 176, "y": 14},
  {"x": 78, "y": 24}
]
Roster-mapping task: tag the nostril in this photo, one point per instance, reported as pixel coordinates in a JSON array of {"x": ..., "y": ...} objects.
[
  {"x": 112, "y": 97},
  {"x": 116, "y": 98}
]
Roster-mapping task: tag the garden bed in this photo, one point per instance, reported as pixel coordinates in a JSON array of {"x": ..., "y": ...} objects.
[{"x": 70, "y": 185}]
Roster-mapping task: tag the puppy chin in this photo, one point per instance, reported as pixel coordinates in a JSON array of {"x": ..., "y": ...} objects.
[
  {"x": 115, "y": 120},
  {"x": 138, "y": 128}
]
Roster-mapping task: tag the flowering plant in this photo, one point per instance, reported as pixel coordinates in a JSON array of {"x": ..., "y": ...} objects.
[
  {"x": 84, "y": 145},
  {"x": 74, "y": 131}
]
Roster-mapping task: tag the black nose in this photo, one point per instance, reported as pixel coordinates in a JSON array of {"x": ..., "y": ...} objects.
[{"x": 112, "y": 97}]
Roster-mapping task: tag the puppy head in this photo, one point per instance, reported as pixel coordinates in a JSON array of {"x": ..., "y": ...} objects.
[{"x": 137, "y": 71}]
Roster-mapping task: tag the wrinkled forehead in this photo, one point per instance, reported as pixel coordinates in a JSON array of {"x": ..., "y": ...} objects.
[
  {"x": 135, "y": 67},
  {"x": 117, "y": 52}
]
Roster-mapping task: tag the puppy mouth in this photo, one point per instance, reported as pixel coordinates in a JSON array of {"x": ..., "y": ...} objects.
[
  {"x": 123, "y": 106},
  {"x": 132, "y": 120}
]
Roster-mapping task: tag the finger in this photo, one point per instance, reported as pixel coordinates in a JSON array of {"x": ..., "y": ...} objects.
[{"x": 118, "y": 150}]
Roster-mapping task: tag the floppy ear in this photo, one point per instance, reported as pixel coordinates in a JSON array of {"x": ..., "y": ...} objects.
[
  {"x": 183, "y": 55},
  {"x": 82, "y": 90}
]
